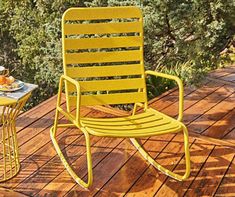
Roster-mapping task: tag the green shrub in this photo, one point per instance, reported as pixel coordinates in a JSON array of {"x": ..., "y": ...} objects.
[{"x": 183, "y": 37}]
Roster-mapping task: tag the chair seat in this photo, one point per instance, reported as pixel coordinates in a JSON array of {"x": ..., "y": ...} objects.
[{"x": 148, "y": 123}]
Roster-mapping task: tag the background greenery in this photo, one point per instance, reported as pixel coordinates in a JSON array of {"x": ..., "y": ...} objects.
[{"x": 182, "y": 37}]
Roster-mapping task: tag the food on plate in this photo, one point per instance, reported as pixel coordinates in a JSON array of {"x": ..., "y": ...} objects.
[
  {"x": 2, "y": 80},
  {"x": 15, "y": 85},
  {"x": 8, "y": 83},
  {"x": 6, "y": 80},
  {"x": 10, "y": 80}
]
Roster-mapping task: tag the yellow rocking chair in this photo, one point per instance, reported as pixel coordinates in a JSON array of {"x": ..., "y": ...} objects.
[{"x": 104, "y": 46}]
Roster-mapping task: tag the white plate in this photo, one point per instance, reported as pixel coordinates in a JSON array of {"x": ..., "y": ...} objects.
[{"x": 10, "y": 88}]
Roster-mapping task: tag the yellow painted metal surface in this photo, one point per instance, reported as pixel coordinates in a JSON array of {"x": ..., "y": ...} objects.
[
  {"x": 101, "y": 13},
  {"x": 102, "y": 28},
  {"x": 112, "y": 44},
  {"x": 102, "y": 57},
  {"x": 104, "y": 60},
  {"x": 105, "y": 71},
  {"x": 148, "y": 123},
  {"x": 104, "y": 99},
  {"x": 6, "y": 101},
  {"x": 9, "y": 162},
  {"x": 114, "y": 84},
  {"x": 106, "y": 42}
]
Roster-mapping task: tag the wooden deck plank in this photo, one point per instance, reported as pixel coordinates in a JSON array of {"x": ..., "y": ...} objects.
[
  {"x": 206, "y": 104},
  {"x": 34, "y": 129},
  {"x": 214, "y": 114},
  {"x": 230, "y": 137},
  {"x": 212, "y": 173},
  {"x": 27, "y": 118},
  {"x": 165, "y": 94},
  {"x": 106, "y": 169},
  {"x": 222, "y": 127},
  {"x": 152, "y": 179},
  {"x": 61, "y": 183},
  {"x": 133, "y": 168},
  {"x": 230, "y": 77},
  {"x": 10, "y": 193},
  {"x": 222, "y": 72},
  {"x": 192, "y": 98},
  {"x": 199, "y": 152},
  {"x": 168, "y": 100},
  {"x": 227, "y": 186},
  {"x": 214, "y": 141},
  {"x": 231, "y": 83}
]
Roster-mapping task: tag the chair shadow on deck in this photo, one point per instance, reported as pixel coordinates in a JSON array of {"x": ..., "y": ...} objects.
[
  {"x": 209, "y": 167},
  {"x": 209, "y": 174},
  {"x": 121, "y": 172},
  {"x": 35, "y": 122}
]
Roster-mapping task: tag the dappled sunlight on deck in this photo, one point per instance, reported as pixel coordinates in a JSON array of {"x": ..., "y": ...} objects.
[{"x": 118, "y": 168}]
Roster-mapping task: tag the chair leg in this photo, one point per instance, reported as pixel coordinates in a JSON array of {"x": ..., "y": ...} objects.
[
  {"x": 161, "y": 168},
  {"x": 66, "y": 164}
]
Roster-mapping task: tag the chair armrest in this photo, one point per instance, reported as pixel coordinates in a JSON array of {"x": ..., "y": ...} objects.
[
  {"x": 180, "y": 85},
  {"x": 75, "y": 120}
]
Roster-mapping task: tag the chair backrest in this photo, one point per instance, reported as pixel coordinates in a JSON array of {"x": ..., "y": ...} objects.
[{"x": 103, "y": 50}]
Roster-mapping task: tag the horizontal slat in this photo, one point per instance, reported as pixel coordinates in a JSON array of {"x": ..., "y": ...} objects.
[
  {"x": 102, "y": 28},
  {"x": 110, "y": 42},
  {"x": 98, "y": 57},
  {"x": 166, "y": 128},
  {"x": 117, "y": 84},
  {"x": 119, "y": 120},
  {"x": 132, "y": 126},
  {"x": 102, "y": 13},
  {"x": 104, "y": 99},
  {"x": 124, "y": 122},
  {"x": 105, "y": 71}
]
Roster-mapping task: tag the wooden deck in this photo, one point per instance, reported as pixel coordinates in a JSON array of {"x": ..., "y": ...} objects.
[{"x": 118, "y": 168}]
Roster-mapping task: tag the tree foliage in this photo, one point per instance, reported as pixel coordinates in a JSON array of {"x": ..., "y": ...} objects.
[{"x": 179, "y": 32}]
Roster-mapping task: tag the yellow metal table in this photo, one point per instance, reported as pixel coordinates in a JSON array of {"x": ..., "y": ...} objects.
[{"x": 9, "y": 156}]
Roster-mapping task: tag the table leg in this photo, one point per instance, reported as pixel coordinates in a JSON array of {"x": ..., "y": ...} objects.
[{"x": 9, "y": 155}]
